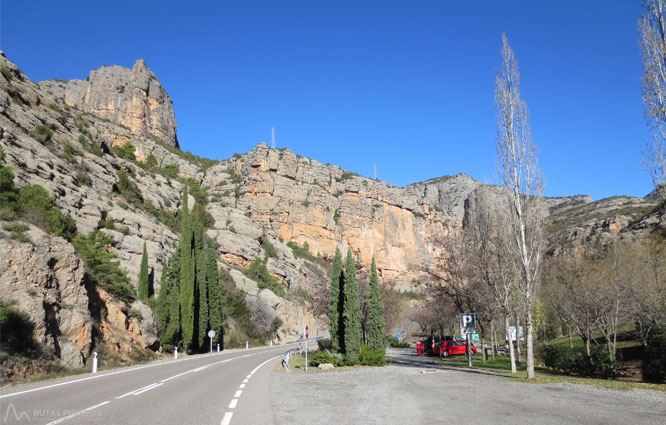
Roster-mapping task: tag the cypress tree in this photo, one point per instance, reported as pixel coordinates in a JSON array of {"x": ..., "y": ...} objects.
[
  {"x": 143, "y": 275},
  {"x": 187, "y": 276},
  {"x": 377, "y": 334},
  {"x": 351, "y": 313},
  {"x": 201, "y": 286},
  {"x": 334, "y": 306},
  {"x": 173, "y": 329},
  {"x": 214, "y": 294}
]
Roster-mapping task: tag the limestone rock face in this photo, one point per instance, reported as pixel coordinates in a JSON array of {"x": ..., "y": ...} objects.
[
  {"x": 45, "y": 279},
  {"x": 303, "y": 201},
  {"x": 131, "y": 97}
]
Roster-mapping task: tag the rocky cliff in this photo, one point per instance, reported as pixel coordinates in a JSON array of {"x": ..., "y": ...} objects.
[
  {"x": 133, "y": 98},
  {"x": 77, "y": 138}
]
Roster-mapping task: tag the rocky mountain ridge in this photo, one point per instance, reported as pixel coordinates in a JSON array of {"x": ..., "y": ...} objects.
[
  {"x": 133, "y": 98},
  {"x": 265, "y": 204}
]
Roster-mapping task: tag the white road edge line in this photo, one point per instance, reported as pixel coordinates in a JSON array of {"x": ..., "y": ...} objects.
[
  {"x": 148, "y": 389},
  {"x": 73, "y": 415},
  {"x": 227, "y": 418},
  {"x": 130, "y": 370},
  {"x": 233, "y": 403}
]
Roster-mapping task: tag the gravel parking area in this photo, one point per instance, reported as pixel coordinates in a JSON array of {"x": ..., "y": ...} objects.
[{"x": 416, "y": 390}]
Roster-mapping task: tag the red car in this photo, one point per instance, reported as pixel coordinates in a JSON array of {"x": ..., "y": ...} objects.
[{"x": 452, "y": 348}]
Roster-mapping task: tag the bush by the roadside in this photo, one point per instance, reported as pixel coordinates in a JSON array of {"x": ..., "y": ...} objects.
[
  {"x": 654, "y": 362},
  {"x": 325, "y": 356},
  {"x": 396, "y": 343},
  {"x": 16, "y": 335},
  {"x": 576, "y": 361},
  {"x": 372, "y": 357},
  {"x": 324, "y": 344}
]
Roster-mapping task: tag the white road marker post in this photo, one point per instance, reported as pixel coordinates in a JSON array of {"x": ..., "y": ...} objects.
[
  {"x": 307, "y": 335},
  {"x": 94, "y": 366},
  {"x": 175, "y": 353},
  {"x": 247, "y": 344},
  {"x": 218, "y": 348}
]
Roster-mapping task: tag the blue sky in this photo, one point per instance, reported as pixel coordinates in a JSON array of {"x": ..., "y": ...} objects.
[{"x": 406, "y": 86}]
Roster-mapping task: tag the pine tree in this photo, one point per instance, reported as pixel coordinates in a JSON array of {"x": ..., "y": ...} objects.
[
  {"x": 143, "y": 275},
  {"x": 351, "y": 313},
  {"x": 377, "y": 333},
  {"x": 187, "y": 277},
  {"x": 334, "y": 305}
]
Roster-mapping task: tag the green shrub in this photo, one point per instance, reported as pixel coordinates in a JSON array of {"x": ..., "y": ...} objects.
[
  {"x": 325, "y": 356},
  {"x": 82, "y": 180},
  {"x": 372, "y": 357},
  {"x": 170, "y": 170},
  {"x": 129, "y": 189},
  {"x": 269, "y": 249},
  {"x": 135, "y": 313},
  {"x": 259, "y": 273},
  {"x": 396, "y": 343},
  {"x": 43, "y": 133},
  {"x": 16, "y": 335},
  {"x": 15, "y": 227},
  {"x": 575, "y": 361},
  {"x": 100, "y": 265},
  {"x": 125, "y": 151},
  {"x": 654, "y": 362},
  {"x": 37, "y": 207}
]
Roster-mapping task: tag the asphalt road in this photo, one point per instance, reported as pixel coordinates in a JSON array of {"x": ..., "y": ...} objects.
[{"x": 220, "y": 388}]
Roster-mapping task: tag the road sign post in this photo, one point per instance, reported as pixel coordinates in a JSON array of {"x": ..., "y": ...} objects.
[
  {"x": 211, "y": 335},
  {"x": 467, "y": 328}
]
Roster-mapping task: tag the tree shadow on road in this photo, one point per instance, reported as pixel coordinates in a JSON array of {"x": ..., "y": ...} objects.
[{"x": 407, "y": 358}]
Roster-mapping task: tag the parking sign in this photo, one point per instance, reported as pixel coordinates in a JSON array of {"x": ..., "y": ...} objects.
[{"x": 467, "y": 323}]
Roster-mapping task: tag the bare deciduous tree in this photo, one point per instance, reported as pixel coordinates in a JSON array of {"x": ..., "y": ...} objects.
[
  {"x": 653, "y": 52},
  {"x": 518, "y": 169}
]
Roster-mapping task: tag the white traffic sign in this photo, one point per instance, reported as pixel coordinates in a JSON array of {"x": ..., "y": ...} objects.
[
  {"x": 211, "y": 333},
  {"x": 467, "y": 323}
]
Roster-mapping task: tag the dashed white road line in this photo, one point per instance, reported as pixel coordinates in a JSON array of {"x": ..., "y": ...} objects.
[
  {"x": 226, "y": 420},
  {"x": 80, "y": 412},
  {"x": 136, "y": 391}
]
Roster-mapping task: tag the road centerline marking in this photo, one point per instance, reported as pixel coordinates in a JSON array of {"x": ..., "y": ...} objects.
[
  {"x": 238, "y": 393},
  {"x": 80, "y": 412},
  {"x": 137, "y": 390},
  {"x": 148, "y": 388},
  {"x": 233, "y": 403},
  {"x": 242, "y": 386},
  {"x": 227, "y": 418}
]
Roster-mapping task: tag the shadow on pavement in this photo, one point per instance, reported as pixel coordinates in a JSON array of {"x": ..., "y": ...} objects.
[{"x": 408, "y": 358}]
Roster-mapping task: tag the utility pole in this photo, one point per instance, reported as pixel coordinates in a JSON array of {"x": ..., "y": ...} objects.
[
  {"x": 273, "y": 137},
  {"x": 374, "y": 171}
]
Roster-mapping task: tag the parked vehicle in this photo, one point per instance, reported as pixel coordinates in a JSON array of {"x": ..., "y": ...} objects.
[
  {"x": 452, "y": 348},
  {"x": 432, "y": 343}
]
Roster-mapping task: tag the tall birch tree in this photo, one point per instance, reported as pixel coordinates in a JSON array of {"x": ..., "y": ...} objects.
[
  {"x": 518, "y": 171},
  {"x": 653, "y": 52}
]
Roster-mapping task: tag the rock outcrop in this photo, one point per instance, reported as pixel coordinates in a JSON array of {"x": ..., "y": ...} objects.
[
  {"x": 303, "y": 201},
  {"x": 131, "y": 97},
  {"x": 44, "y": 277}
]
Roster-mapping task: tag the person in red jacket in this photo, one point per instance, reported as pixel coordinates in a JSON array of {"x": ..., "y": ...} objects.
[{"x": 419, "y": 348}]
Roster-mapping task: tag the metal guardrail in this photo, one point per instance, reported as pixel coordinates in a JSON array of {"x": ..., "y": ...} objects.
[{"x": 301, "y": 349}]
